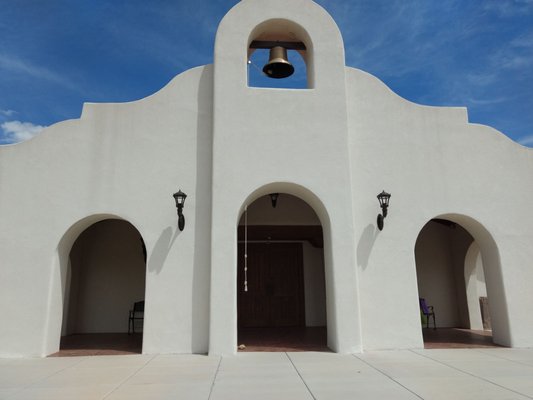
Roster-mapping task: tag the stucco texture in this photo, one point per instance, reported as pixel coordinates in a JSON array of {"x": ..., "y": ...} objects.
[{"x": 334, "y": 145}]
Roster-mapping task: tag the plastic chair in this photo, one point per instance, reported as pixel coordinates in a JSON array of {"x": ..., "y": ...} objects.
[{"x": 428, "y": 311}]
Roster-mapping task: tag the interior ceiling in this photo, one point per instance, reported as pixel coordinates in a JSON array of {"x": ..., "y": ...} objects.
[{"x": 310, "y": 233}]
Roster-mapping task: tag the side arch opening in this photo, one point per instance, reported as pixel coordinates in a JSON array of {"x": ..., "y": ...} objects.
[
  {"x": 459, "y": 274},
  {"x": 103, "y": 268}
]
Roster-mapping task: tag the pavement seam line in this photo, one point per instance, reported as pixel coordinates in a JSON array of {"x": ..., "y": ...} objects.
[
  {"x": 505, "y": 358},
  {"x": 127, "y": 378},
  {"x": 214, "y": 378},
  {"x": 388, "y": 376},
  {"x": 300, "y": 375},
  {"x": 28, "y": 386},
  {"x": 473, "y": 375}
]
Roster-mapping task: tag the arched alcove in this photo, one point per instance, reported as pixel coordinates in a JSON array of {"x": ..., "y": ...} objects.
[
  {"x": 446, "y": 257},
  {"x": 103, "y": 267}
]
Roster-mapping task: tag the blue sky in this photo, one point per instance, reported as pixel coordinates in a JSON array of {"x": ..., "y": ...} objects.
[{"x": 57, "y": 54}]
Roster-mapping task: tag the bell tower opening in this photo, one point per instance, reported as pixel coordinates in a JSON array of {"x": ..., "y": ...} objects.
[
  {"x": 259, "y": 66},
  {"x": 278, "y": 56}
]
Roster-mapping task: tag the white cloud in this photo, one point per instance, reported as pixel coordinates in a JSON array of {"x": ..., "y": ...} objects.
[
  {"x": 526, "y": 140},
  {"x": 7, "y": 113},
  {"x": 508, "y": 8},
  {"x": 525, "y": 40},
  {"x": 18, "y": 66},
  {"x": 515, "y": 57},
  {"x": 489, "y": 101},
  {"x": 481, "y": 78},
  {"x": 517, "y": 62},
  {"x": 17, "y": 131}
]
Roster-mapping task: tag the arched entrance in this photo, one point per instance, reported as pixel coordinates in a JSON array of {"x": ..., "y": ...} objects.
[
  {"x": 105, "y": 277},
  {"x": 458, "y": 273},
  {"x": 281, "y": 291}
]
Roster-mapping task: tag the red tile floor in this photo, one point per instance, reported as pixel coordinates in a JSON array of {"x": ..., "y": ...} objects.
[
  {"x": 456, "y": 338},
  {"x": 97, "y": 344},
  {"x": 264, "y": 339},
  {"x": 283, "y": 339}
]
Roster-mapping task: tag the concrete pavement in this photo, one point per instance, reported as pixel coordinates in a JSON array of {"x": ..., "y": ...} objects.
[{"x": 497, "y": 373}]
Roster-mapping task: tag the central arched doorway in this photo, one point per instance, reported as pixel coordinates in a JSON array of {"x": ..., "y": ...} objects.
[
  {"x": 281, "y": 291},
  {"x": 105, "y": 277},
  {"x": 458, "y": 274}
]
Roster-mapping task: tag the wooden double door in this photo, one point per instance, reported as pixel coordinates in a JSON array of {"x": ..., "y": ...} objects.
[{"x": 275, "y": 296}]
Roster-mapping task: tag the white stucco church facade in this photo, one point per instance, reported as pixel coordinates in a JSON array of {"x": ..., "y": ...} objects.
[{"x": 88, "y": 225}]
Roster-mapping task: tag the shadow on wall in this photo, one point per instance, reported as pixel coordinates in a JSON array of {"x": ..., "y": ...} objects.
[
  {"x": 365, "y": 245},
  {"x": 163, "y": 245},
  {"x": 202, "y": 218}
]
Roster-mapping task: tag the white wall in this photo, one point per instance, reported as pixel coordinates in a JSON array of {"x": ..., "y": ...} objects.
[
  {"x": 475, "y": 285},
  {"x": 480, "y": 278},
  {"x": 314, "y": 284},
  {"x": 434, "y": 163}
]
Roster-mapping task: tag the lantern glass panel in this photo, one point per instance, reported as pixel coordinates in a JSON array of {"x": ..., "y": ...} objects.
[
  {"x": 180, "y": 198},
  {"x": 383, "y": 198}
]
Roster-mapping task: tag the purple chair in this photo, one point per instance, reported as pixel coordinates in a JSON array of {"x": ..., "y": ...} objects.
[{"x": 428, "y": 312}]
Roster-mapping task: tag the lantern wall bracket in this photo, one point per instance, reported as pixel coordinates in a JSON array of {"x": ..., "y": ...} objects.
[
  {"x": 383, "y": 198},
  {"x": 180, "y": 197}
]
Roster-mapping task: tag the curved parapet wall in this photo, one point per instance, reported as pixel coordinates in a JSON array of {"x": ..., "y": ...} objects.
[
  {"x": 434, "y": 162},
  {"x": 120, "y": 159}
]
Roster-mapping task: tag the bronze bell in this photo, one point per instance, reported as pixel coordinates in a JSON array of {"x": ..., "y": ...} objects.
[{"x": 278, "y": 65}]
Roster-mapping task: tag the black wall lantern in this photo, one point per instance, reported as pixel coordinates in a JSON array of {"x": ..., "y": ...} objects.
[
  {"x": 383, "y": 198},
  {"x": 180, "y": 197}
]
